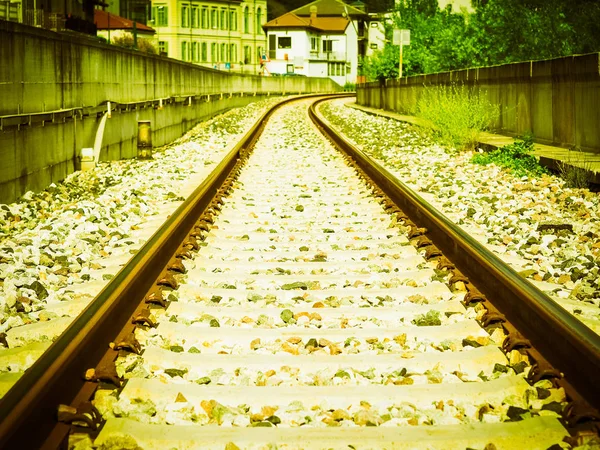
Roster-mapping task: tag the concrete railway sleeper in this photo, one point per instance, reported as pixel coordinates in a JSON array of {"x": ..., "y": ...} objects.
[{"x": 300, "y": 307}]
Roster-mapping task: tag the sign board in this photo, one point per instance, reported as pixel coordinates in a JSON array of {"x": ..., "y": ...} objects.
[{"x": 401, "y": 37}]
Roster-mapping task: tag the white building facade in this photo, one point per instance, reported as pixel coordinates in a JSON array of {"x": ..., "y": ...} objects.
[{"x": 326, "y": 38}]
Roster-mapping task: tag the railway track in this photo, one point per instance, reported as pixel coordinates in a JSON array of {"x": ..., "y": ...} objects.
[{"x": 298, "y": 296}]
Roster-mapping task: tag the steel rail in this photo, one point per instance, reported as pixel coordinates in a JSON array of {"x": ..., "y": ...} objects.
[
  {"x": 565, "y": 342},
  {"x": 28, "y": 411}
]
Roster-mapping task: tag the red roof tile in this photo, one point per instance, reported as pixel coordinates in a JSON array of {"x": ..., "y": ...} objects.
[
  {"x": 291, "y": 20},
  {"x": 329, "y": 8},
  {"x": 101, "y": 19}
]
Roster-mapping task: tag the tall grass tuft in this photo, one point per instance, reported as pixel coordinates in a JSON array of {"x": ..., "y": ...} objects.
[
  {"x": 576, "y": 170},
  {"x": 457, "y": 113}
]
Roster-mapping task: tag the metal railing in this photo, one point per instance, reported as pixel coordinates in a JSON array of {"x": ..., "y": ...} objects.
[
  {"x": 14, "y": 12},
  {"x": 328, "y": 56},
  {"x": 11, "y": 11}
]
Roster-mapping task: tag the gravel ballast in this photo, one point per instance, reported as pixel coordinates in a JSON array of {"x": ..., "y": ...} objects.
[
  {"x": 59, "y": 247},
  {"x": 546, "y": 231}
]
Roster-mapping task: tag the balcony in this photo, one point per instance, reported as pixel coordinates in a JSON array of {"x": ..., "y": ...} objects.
[{"x": 327, "y": 56}]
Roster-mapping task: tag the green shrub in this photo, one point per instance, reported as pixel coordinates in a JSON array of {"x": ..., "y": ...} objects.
[
  {"x": 457, "y": 113},
  {"x": 516, "y": 157},
  {"x": 349, "y": 87},
  {"x": 143, "y": 45}
]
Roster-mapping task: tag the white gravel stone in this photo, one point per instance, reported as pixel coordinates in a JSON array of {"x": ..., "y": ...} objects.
[{"x": 502, "y": 211}]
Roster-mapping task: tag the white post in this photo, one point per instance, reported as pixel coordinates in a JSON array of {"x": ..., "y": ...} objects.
[{"x": 401, "y": 45}]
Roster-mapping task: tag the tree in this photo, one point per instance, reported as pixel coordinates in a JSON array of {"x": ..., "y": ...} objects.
[
  {"x": 383, "y": 64},
  {"x": 497, "y": 32},
  {"x": 507, "y": 31}
]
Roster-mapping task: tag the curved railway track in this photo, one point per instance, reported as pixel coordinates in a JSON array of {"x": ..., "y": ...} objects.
[{"x": 304, "y": 290}]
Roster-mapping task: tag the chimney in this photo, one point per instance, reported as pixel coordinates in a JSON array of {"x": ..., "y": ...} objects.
[{"x": 313, "y": 12}]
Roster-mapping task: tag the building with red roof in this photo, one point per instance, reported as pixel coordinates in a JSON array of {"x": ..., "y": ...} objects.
[
  {"x": 111, "y": 27},
  {"x": 323, "y": 38}
]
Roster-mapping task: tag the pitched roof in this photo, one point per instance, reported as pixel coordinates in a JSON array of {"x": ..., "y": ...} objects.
[
  {"x": 288, "y": 20},
  {"x": 291, "y": 20},
  {"x": 105, "y": 20},
  {"x": 329, "y": 8}
]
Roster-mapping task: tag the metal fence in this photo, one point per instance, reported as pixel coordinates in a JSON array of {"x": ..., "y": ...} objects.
[
  {"x": 14, "y": 12},
  {"x": 11, "y": 11}
]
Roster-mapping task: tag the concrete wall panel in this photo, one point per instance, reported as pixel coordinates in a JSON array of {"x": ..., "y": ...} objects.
[
  {"x": 45, "y": 71},
  {"x": 558, "y": 100}
]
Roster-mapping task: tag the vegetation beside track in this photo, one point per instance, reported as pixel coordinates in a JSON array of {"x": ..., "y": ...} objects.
[
  {"x": 516, "y": 157},
  {"x": 458, "y": 115}
]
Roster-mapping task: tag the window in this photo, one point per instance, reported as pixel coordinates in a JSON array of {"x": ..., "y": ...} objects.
[
  {"x": 233, "y": 26},
  {"x": 185, "y": 16},
  {"x": 258, "y": 20},
  {"x": 289, "y": 68},
  {"x": 184, "y": 50},
  {"x": 213, "y": 52},
  {"x": 194, "y": 51},
  {"x": 246, "y": 20},
  {"x": 327, "y": 45},
  {"x": 205, "y": 18},
  {"x": 214, "y": 20},
  {"x": 233, "y": 57},
  {"x": 160, "y": 16},
  {"x": 204, "y": 51},
  {"x": 336, "y": 69},
  {"x": 314, "y": 44},
  {"x": 260, "y": 51},
  {"x": 223, "y": 52},
  {"x": 223, "y": 19},
  {"x": 163, "y": 47},
  {"x": 373, "y": 46},
  {"x": 284, "y": 42},
  {"x": 247, "y": 54},
  {"x": 272, "y": 46},
  {"x": 194, "y": 17}
]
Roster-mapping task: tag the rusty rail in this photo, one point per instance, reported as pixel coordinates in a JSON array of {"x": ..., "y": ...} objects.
[
  {"x": 28, "y": 412},
  {"x": 557, "y": 335}
]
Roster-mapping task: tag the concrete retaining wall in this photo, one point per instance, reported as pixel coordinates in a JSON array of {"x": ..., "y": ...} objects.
[
  {"x": 42, "y": 71},
  {"x": 557, "y": 100}
]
